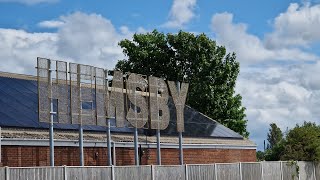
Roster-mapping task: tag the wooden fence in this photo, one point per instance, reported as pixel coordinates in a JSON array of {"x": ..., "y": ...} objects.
[{"x": 220, "y": 171}]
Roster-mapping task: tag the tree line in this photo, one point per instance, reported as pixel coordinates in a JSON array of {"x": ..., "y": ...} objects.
[{"x": 301, "y": 143}]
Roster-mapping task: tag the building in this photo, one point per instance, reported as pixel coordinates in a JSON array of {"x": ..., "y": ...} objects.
[{"x": 25, "y": 139}]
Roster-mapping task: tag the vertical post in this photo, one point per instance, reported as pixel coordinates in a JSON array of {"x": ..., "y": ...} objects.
[
  {"x": 180, "y": 135},
  {"x": 51, "y": 119},
  {"x": 180, "y": 148},
  {"x": 314, "y": 170},
  {"x": 240, "y": 170},
  {"x": 158, "y": 148},
  {"x": 81, "y": 145},
  {"x": 186, "y": 172},
  {"x": 215, "y": 171},
  {"x": 65, "y": 172},
  {"x": 112, "y": 173},
  {"x": 136, "y": 153},
  {"x": 0, "y": 148},
  {"x": 152, "y": 172},
  {"x": 114, "y": 154},
  {"x": 109, "y": 142},
  {"x": 281, "y": 169},
  {"x": 7, "y": 170},
  {"x": 261, "y": 165},
  {"x": 80, "y": 117}
]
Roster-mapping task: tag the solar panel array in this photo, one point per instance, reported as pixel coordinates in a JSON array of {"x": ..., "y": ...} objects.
[{"x": 19, "y": 108}]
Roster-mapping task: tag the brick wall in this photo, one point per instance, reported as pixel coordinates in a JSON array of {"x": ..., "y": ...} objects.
[
  {"x": 16, "y": 156},
  {"x": 199, "y": 156}
]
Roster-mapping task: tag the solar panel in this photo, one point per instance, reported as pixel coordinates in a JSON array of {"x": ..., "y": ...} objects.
[{"x": 19, "y": 106}]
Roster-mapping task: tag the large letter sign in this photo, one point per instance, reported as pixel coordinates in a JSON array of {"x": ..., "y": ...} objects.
[
  {"x": 116, "y": 101},
  {"x": 89, "y": 96},
  {"x": 138, "y": 111},
  {"x": 158, "y": 103}
]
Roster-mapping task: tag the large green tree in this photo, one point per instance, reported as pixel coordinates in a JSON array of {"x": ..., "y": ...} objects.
[
  {"x": 275, "y": 146},
  {"x": 196, "y": 59},
  {"x": 275, "y": 135},
  {"x": 302, "y": 143}
]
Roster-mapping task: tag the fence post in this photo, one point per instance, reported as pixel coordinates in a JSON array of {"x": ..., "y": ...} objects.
[
  {"x": 7, "y": 172},
  {"x": 215, "y": 171},
  {"x": 314, "y": 170},
  {"x": 65, "y": 172},
  {"x": 240, "y": 171},
  {"x": 152, "y": 172},
  {"x": 299, "y": 172},
  {"x": 281, "y": 169},
  {"x": 186, "y": 172},
  {"x": 112, "y": 173},
  {"x": 261, "y": 165}
]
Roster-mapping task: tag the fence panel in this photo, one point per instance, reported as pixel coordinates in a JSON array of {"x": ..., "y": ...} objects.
[
  {"x": 251, "y": 171},
  {"x": 271, "y": 170},
  {"x": 289, "y": 170},
  {"x": 317, "y": 170},
  {"x": 169, "y": 172},
  {"x": 306, "y": 170},
  {"x": 2, "y": 173},
  {"x": 36, "y": 173},
  {"x": 132, "y": 172},
  {"x": 227, "y": 171},
  {"x": 85, "y": 173},
  {"x": 201, "y": 172},
  {"x": 222, "y": 171}
]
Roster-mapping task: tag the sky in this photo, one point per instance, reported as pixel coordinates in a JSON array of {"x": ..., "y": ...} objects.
[{"x": 276, "y": 42}]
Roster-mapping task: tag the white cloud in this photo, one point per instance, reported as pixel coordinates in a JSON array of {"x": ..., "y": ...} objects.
[
  {"x": 286, "y": 95},
  {"x": 20, "y": 49},
  {"x": 250, "y": 48},
  {"x": 50, "y": 24},
  {"x": 278, "y": 79},
  {"x": 29, "y": 2},
  {"x": 82, "y": 38},
  {"x": 182, "y": 11},
  {"x": 298, "y": 26},
  {"x": 89, "y": 39}
]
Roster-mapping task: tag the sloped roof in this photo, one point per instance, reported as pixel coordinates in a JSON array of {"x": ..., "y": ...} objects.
[
  {"x": 21, "y": 134},
  {"x": 19, "y": 106}
]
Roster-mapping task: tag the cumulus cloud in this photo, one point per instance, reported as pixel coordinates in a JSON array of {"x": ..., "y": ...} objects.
[
  {"x": 89, "y": 38},
  {"x": 82, "y": 38},
  {"x": 250, "y": 48},
  {"x": 182, "y": 11},
  {"x": 286, "y": 95},
  {"x": 50, "y": 24},
  {"x": 19, "y": 49},
  {"x": 298, "y": 26},
  {"x": 278, "y": 79},
  {"x": 29, "y": 2}
]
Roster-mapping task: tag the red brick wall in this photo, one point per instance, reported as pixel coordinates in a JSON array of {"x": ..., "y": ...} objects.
[
  {"x": 97, "y": 156},
  {"x": 199, "y": 156}
]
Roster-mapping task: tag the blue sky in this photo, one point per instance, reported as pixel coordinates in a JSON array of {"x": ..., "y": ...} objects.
[
  {"x": 148, "y": 14},
  {"x": 276, "y": 42}
]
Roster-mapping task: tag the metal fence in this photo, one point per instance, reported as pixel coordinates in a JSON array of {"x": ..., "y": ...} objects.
[{"x": 279, "y": 170}]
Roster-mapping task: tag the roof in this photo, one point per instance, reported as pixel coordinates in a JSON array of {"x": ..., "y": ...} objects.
[
  {"x": 99, "y": 139},
  {"x": 19, "y": 106}
]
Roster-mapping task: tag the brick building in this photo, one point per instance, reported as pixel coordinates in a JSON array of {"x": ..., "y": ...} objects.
[{"x": 25, "y": 139}]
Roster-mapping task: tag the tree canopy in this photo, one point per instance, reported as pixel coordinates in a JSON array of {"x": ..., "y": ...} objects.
[
  {"x": 196, "y": 59},
  {"x": 275, "y": 146},
  {"x": 301, "y": 143},
  {"x": 275, "y": 135}
]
